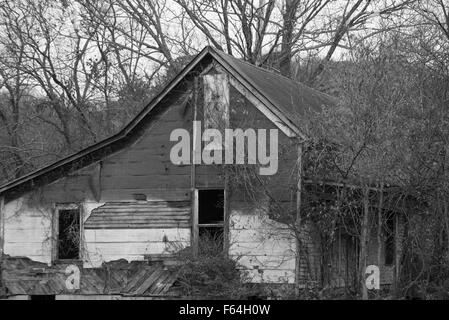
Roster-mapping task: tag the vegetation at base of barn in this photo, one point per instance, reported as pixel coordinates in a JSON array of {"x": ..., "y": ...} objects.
[{"x": 212, "y": 274}]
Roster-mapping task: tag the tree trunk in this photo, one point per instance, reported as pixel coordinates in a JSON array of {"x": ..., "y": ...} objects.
[
  {"x": 379, "y": 226},
  {"x": 363, "y": 243},
  {"x": 288, "y": 17}
]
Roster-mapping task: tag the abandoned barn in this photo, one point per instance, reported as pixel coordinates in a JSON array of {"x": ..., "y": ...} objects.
[{"x": 121, "y": 209}]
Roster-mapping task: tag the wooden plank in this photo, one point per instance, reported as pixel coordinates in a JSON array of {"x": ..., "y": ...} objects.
[
  {"x": 142, "y": 235},
  {"x": 152, "y": 194},
  {"x": 141, "y": 215},
  {"x": 143, "y": 168},
  {"x": 141, "y": 208},
  {"x": 135, "y": 280},
  {"x": 150, "y": 212},
  {"x": 195, "y": 230},
  {"x": 146, "y": 182},
  {"x": 149, "y": 281},
  {"x": 133, "y": 220},
  {"x": 159, "y": 283},
  {"x": 137, "y": 225},
  {"x": 151, "y": 203},
  {"x": 168, "y": 283},
  {"x": 132, "y": 248}
]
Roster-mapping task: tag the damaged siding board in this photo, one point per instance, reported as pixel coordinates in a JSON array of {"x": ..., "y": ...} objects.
[{"x": 145, "y": 215}]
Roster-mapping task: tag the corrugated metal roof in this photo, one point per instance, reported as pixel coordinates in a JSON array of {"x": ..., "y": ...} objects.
[
  {"x": 23, "y": 276},
  {"x": 151, "y": 214}
]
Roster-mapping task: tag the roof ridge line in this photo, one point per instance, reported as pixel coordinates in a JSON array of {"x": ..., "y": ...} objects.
[{"x": 261, "y": 68}]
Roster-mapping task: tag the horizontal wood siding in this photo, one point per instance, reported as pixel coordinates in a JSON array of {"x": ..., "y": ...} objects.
[
  {"x": 146, "y": 165},
  {"x": 143, "y": 215}
]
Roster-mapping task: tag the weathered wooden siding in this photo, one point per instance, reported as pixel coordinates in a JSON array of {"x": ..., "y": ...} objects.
[
  {"x": 142, "y": 168},
  {"x": 140, "y": 215},
  {"x": 146, "y": 165},
  {"x": 132, "y": 244},
  {"x": 264, "y": 248}
]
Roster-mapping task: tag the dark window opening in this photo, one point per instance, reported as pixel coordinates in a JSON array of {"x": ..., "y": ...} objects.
[
  {"x": 68, "y": 234},
  {"x": 43, "y": 297},
  {"x": 211, "y": 204},
  {"x": 390, "y": 240},
  {"x": 210, "y": 221}
]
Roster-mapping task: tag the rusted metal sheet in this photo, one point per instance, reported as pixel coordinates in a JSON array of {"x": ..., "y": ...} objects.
[
  {"x": 23, "y": 276},
  {"x": 129, "y": 215}
]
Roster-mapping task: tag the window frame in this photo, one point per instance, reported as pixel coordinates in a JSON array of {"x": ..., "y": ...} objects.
[
  {"x": 55, "y": 231},
  {"x": 196, "y": 225}
]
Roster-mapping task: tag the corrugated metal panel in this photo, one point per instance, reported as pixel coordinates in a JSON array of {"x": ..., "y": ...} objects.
[{"x": 140, "y": 215}]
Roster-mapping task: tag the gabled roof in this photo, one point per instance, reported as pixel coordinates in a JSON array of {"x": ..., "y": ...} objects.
[
  {"x": 282, "y": 96},
  {"x": 292, "y": 98}
]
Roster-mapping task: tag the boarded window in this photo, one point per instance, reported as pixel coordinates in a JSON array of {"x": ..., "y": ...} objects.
[
  {"x": 210, "y": 220},
  {"x": 68, "y": 241}
]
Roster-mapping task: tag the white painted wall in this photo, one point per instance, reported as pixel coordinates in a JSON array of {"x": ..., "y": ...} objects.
[
  {"x": 28, "y": 232},
  {"x": 131, "y": 244},
  {"x": 264, "y": 248}
]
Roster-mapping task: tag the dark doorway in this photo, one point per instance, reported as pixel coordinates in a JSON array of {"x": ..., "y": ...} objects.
[
  {"x": 210, "y": 220},
  {"x": 69, "y": 234}
]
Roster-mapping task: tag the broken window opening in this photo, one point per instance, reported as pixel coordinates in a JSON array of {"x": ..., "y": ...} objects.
[
  {"x": 210, "y": 221},
  {"x": 69, "y": 235}
]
